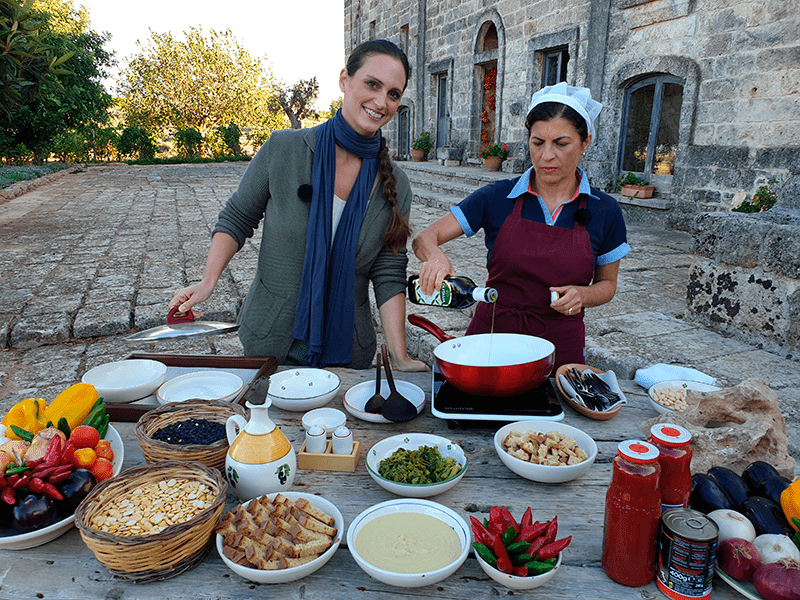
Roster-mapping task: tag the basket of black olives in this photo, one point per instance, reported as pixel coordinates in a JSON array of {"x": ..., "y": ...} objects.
[{"x": 188, "y": 430}]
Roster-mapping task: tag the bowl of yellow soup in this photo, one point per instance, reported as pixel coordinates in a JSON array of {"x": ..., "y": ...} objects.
[{"x": 409, "y": 542}]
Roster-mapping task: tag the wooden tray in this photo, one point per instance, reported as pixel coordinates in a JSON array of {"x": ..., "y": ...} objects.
[
  {"x": 328, "y": 461},
  {"x": 265, "y": 365}
]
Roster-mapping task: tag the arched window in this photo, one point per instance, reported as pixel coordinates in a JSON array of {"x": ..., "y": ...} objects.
[{"x": 650, "y": 123}]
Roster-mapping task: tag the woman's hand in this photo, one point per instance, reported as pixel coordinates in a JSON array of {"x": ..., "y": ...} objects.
[
  {"x": 184, "y": 299},
  {"x": 433, "y": 271},
  {"x": 435, "y": 264},
  {"x": 569, "y": 300},
  {"x": 574, "y": 298}
]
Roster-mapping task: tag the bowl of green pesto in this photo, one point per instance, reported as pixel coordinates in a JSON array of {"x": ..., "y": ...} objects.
[{"x": 416, "y": 465}]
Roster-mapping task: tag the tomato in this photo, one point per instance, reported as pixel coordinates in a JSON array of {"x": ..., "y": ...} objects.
[
  {"x": 84, "y": 458},
  {"x": 102, "y": 469},
  {"x": 84, "y": 436},
  {"x": 103, "y": 450}
]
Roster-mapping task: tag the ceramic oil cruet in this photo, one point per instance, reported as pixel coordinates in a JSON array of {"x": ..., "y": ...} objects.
[{"x": 260, "y": 459}]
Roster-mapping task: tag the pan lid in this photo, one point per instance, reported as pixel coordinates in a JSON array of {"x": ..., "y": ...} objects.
[{"x": 181, "y": 330}]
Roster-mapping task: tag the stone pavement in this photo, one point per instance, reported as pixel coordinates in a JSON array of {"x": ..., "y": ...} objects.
[{"x": 98, "y": 253}]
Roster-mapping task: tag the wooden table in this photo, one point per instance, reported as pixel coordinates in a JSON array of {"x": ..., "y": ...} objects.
[{"x": 66, "y": 568}]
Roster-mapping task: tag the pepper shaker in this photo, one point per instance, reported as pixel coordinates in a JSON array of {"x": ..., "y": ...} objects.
[
  {"x": 342, "y": 441},
  {"x": 316, "y": 440}
]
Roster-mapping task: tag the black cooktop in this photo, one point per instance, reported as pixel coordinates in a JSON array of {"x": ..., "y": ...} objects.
[{"x": 461, "y": 409}]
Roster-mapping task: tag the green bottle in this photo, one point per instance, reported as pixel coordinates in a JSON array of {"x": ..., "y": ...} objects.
[{"x": 456, "y": 292}]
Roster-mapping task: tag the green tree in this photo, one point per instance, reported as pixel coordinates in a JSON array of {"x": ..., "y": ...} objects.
[
  {"x": 69, "y": 98},
  {"x": 200, "y": 83},
  {"x": 335, "y": 106},
  {"x": 297, "y": 101},
  {"x": 137, "y": 142}
]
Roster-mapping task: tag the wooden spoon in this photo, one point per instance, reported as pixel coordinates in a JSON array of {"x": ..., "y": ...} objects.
[
  {"x": 397, "y": 407},
  {"x": 375, "y": 403}
]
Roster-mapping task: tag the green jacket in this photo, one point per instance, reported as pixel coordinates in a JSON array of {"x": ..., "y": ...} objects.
[{"x": 269, "y": 191}]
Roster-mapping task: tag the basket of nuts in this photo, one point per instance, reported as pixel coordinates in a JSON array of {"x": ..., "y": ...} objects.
[
  {"x": 188, "y": 430},
  {"x": 153, "y": 522}
]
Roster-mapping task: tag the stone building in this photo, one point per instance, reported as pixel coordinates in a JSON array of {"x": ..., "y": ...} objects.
[{"x": 701, "y": 98}]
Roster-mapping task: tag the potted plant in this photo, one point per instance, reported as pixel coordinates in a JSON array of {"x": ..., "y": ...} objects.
[
  {"x": 634, "y": 187},
  {"x": 421, "y": 146},
  {"x": 493, "y": 156}
]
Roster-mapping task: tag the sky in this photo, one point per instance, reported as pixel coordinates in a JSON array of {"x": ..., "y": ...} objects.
[{"x": 300, "y": 38}]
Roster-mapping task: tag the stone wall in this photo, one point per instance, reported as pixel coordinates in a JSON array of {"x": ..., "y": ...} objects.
[{"x": 739, "y": 122}]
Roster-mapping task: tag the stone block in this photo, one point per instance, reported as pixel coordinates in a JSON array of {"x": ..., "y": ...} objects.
[{"x": 449, "y": 153}]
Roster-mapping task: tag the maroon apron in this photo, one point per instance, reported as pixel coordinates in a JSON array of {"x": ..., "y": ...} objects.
[{"x": 527, "y": 259}]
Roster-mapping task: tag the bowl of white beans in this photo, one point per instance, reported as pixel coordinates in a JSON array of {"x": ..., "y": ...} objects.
[{"x": 670, "y": 396}]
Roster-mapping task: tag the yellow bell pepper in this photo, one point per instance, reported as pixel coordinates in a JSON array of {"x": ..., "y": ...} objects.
[
  {"x": 790, "y": 503},
  {"x": 28, "y": 414},
  {"x": 74, "y": 404}
]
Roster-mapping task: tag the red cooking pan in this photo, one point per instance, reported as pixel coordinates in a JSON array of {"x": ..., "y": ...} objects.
[{"x": 491, "y": 364}]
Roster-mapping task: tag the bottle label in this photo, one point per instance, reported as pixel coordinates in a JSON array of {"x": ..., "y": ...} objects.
[{"x": 441, "y": 298}]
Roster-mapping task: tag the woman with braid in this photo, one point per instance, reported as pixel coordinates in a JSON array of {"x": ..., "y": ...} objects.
[{"x": 335, "y": 217}]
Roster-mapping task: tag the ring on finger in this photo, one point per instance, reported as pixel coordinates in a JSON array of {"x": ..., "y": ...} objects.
[{"x": 569, "y": 311}]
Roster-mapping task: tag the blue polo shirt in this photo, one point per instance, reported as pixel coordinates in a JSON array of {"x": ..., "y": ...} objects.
[{"x": 488, "y": 208}]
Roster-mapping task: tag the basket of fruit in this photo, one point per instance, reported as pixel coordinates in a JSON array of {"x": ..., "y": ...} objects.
[
  {"x": 153, "y": 522},
  {"x": 189, "y": 430}
]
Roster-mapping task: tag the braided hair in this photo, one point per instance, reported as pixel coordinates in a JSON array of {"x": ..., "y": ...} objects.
[{"x": 399, "y": 230}]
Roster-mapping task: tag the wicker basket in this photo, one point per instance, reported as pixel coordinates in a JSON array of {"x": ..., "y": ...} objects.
[
  {"x": 215, "y": 411},
  {"x": 146, "y": 558}
]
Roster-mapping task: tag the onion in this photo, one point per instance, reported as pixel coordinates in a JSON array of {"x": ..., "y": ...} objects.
[
  {"x": 778, "y": 581},
  {"x": 732, "y": 524},
  {"x": 738, "y": 558},
  {"x": 773, "y": 547}
]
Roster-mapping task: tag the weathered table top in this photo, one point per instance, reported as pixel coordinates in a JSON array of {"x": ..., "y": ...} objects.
[{"x": 66, "y": 568}]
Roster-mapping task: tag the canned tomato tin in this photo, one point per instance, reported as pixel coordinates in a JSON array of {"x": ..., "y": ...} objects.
[{"x": 687, "y": 551}]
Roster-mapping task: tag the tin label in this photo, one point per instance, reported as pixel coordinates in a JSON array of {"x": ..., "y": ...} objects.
[{"x": 685, "y": 561}]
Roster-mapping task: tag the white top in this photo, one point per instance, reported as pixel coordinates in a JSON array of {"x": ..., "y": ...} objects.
[{"x": 336, "y": 215}]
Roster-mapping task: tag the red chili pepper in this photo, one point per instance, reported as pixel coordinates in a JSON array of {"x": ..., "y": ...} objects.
[
  {"x": 552, "y": 530},
  {"x": 34, "y": 464},
  {"x": 508, "y": 519},
  {"x": 3, "y": 482},
  {"x": 503, "y": 561},
  {"x": 66, "y": 455},
  {"x": 551, "y": 550},
  {"x": 527, "y": 519},
  {"x": 496, "y": 521},
  {"x": 59, "y": 477},
  {"x": 50, "y": 490},
  {"x": 36, "y": 485},
  {"x": 22, "y": 482},
  {"x": 531, "y": 532},
  {"x": 12, "y": 479},
  {"x": 482, "y": 535},
  {"x": 52, "y": 455},
  {"x": 521, "y": 571},
  {"x": 535, "y": 546},
  {"x": 8, "y": 496}
]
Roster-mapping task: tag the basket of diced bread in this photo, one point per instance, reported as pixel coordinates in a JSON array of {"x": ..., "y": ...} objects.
[
  {"x": 153, "y": 522},
  {"x": 279, "y": 537}
]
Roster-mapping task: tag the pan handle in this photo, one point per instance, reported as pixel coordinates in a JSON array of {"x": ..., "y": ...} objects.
[{"x": 429, "y": 326}]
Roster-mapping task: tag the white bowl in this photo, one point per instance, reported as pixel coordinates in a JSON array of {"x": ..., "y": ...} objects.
[
  {"x": 327, "y": 418},
  {"x": 686, "y": 385},
  {"x": 204, "y": 385},
  {"x": 32, "y": 539},
  {"x": 355, "y": 399},
  {"x": 411, "y": 441},
  {"x": 410, "y": 505},
  {"x": 126, "y": 380},
  {"x": 294, "y": 573},
  {"x": 518, "y": 583},
  {"x": 303, "y": 389},
  {"x": 545, "y": 473}
]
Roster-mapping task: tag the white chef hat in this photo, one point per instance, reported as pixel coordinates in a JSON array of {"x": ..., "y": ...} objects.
[{"x": 579, "y": 98}]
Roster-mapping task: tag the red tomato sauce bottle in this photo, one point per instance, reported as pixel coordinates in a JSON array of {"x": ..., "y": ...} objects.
[
  {"x": 633, "y": 515},
  {"x": 675, "y": 457}
]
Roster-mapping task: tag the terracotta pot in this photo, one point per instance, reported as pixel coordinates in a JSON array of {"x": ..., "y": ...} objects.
[
  {"x": 418, "y": 155},
  {"x": 638, "y": 191},
  {"x": 492, "y": 163}
]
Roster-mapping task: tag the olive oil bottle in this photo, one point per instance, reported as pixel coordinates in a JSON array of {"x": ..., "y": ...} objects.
[{"x": 456, "y": 292}]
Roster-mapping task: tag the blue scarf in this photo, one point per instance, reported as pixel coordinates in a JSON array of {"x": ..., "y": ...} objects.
[{"x": 325, "y": 314}]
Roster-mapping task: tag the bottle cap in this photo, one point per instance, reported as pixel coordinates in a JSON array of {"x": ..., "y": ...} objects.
[
  {"x": 316, "y": 430},
  {"x": 671, "y": 435},
  {"x": 341, "y": 432},
  {"x": 637, "y": 451}
]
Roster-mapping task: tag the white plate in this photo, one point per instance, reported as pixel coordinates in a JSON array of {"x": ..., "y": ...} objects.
[
  {"x": 205, "y": 385},
  {"x": 32, "y": 539},
  {"x": 411, "y": 441},
  {"x": 303, "y": 389},
  {"x": 686, "y": 385},
  {"x": 126, "y": 380},
  {"x": 745, "y": 588},
  {"x": 295, "y": 573},
  {"x": 405, "y": 505},
  {"x": 355, "y": 399}
]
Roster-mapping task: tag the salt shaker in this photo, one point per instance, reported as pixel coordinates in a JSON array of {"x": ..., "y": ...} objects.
[
  {"x": 342, "y": 441},
  {"x": 316, "y": 440}
]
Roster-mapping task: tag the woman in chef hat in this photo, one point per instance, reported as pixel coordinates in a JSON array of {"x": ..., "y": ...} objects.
[{"x": 554, "y": 242}]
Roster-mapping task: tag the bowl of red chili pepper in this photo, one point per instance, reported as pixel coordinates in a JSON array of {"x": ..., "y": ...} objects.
[{"x": 518, "y": 555}]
